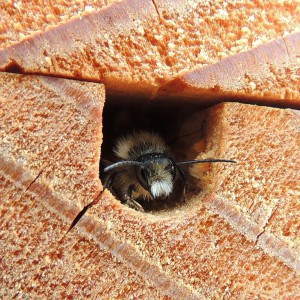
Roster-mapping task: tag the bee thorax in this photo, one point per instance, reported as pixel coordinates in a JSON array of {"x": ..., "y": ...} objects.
[{"x": 137, "y": 144}]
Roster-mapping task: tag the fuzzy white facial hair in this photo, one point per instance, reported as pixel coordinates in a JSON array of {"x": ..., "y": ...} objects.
[{"x": 161, "y": 188}]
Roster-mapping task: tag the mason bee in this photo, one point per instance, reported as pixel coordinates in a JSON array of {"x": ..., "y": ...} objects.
[{"x": 145, "y": 171}]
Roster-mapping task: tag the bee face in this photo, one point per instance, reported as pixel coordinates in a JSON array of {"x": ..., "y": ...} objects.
[
  {"x": 145, "y": 171},
  {"x": 156, "y": 175}
]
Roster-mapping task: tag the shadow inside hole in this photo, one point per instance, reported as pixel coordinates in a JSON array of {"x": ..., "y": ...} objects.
[{"x": 170, "y": 120}]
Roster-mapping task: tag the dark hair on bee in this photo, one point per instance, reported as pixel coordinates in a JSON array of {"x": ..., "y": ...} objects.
[{"x": 145, "y": 171}]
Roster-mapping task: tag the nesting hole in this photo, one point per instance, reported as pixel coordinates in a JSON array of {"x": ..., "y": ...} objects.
[{"x": 172, "y": 121}]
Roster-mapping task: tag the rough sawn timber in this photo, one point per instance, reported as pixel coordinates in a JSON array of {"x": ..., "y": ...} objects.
[{"x": 236, "y": 239}]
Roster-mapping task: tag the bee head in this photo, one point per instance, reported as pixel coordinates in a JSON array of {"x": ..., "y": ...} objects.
[{"x": 156, "y": 174}]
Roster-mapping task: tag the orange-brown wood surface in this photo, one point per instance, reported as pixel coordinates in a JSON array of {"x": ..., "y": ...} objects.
[
  {"x": 230, "y": 240},
  {"x": 137, "y": 47},
  {"x": 237, "y": 237}
]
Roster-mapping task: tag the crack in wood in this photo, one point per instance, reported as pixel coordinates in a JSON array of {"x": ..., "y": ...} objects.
[
  {"x": 124, "y": 252},
  {"x": 269, "y": 243},
  {"x": 156, "y": 8}
]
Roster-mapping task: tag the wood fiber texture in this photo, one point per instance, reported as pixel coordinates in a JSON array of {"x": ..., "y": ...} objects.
[
  {"x": 237, "y": 237},
  {"x": 145, "y": 45},
  {"x": 42, "y": 118},
  {"x": 224, "y": 245},
  {"x": 269, "y": 73}
]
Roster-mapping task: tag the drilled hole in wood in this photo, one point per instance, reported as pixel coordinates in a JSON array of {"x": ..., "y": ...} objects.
[{"x": 171, "y": 120}]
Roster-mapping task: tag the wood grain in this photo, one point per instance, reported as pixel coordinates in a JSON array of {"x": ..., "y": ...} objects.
[{"x": 230, "y": 240}]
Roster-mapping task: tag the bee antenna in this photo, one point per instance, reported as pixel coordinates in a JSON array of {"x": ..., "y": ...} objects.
[
  {"x": 199, "y": 161},
  {"x": 123, "y": 164}
]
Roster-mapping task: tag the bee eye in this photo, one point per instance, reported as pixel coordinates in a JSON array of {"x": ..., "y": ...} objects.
[
  {"x": 143, "y": 178},
  {"x": 143, "y": 174}
]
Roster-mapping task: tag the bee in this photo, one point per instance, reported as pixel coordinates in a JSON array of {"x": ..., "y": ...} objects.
[{"x": 145, "y": 171}]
